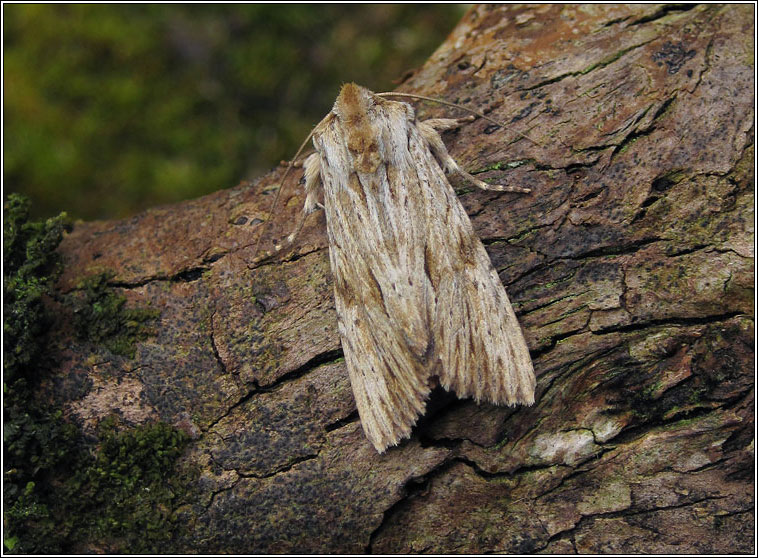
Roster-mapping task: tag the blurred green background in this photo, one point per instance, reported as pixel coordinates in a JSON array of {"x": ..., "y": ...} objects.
[{"x": 110, "y": 109}]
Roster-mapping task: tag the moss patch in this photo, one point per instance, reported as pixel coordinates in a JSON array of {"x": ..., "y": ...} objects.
[
  {"x": 123, "y": 498},
  {"x": 127, "y": 494},
  {"x": 61, "y": 493},
  {"x": 31, "y": 267},
  {"x": 100, "y": 316}
]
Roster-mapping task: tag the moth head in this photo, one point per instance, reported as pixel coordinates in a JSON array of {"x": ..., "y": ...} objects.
[
  {"x": 354, "y": 108},
  {"x": 353, "y": 103}
]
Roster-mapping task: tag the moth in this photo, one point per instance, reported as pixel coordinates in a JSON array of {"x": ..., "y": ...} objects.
[{"x": 416, "y": 295}]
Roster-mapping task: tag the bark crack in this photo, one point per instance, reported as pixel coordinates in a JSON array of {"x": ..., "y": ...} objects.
[
  {"x": 625, "y": 513},
  {"x": 341, "y": 423},
  {"x": 661, "y": 13},
  {"x": 267, "y": 260},
  {"x": 279, "y": 470},
  {"x": 220, "y": 491},
  {"x": 187, "y": 275},
  {"x": 214, "y": 347},
  {"x": 595, "y": 66},
  {"x": 299, "y": 372},
  {"x": 672, "y": 321},
  {"x": 411, "y": 487}
]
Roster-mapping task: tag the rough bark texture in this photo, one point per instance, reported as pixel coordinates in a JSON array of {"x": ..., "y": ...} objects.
[{"x": 630, "y": 267}]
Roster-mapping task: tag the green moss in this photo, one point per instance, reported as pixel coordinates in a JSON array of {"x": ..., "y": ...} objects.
[
  {"x": 35, "y": 440},
  {"x": 61, "y": 493},
  {"x": 122, "y": 498},
  {"x": 31, "y": 266},
  {"x": 39, "y": 447},
  {"x": 127, "y": 493},
  {"x": 100, "y": 316}
]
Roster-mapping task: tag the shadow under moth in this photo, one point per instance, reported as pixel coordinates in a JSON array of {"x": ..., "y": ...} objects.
[{"x": 416, "y": 294}]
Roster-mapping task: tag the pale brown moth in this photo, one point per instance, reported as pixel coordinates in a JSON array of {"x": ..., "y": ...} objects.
[{"x": 416, "y": 294}]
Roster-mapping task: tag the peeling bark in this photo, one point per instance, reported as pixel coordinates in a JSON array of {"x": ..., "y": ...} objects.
[{"x": 630, "y": 267}]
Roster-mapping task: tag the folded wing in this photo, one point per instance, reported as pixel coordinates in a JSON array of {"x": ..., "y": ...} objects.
[{"x": 415, "y": 292}]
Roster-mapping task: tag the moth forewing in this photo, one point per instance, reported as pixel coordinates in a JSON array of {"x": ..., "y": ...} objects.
[{"x": 415, "y": 292}]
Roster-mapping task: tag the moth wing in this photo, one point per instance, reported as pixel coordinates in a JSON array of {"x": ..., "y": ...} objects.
[
  {"x": 388, "y": 380},
  {"x": 376, "y": 252},
  {"x": 477, "y": 337},
  {"x": 480, "y": 343}
]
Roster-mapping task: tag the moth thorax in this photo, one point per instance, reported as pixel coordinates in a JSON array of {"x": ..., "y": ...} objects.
[{"x": 364, "y": 149}]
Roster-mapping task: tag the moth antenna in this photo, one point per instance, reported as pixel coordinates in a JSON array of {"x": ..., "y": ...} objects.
[
  {"x": 440, "y": 101},
  {"x": 281, "y": 184}
]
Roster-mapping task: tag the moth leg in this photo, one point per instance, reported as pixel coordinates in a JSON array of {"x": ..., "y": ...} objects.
[
  {"x": 442, "y": 124},
  {"x": 312, "y": 170},
  {"x": 432, "y": 137}
]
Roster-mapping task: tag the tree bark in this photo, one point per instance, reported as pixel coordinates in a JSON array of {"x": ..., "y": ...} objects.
[{"x": 630, "y": 267}]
